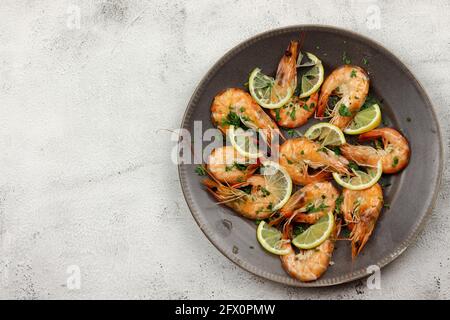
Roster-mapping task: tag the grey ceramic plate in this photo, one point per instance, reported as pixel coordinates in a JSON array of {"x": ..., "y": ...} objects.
[{"x": 405, "y": 106}]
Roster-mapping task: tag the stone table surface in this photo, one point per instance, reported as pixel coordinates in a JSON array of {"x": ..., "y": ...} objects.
[{"x": 89, "y": 92}]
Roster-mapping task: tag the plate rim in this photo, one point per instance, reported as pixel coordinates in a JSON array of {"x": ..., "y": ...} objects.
[{"x": 355, "y": 274}]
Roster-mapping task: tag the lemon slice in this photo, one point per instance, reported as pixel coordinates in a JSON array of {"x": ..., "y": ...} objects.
[
  {"x": 271, "y": 239},
  {"x": 313, "y": 78},
  {"x": 316, "y": 234},
  {"x": 326, "y": 133},
  {"x": 365, "y": 120},
  {"x": 243, "y": 142},
  {"x": 264, "y": 91},
  {"x": 278, "y": 183},
  {"x": 360, "y": 180}
]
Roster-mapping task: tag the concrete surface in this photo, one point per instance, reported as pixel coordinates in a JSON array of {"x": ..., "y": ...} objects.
[{"x": 86, "y": 182}]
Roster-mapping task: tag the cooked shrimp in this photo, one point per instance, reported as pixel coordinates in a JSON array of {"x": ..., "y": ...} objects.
[
  {"x": 309, "y": 265},
  {"x": 351, "y": 84},
  {"x": 361, "y": 210},
  {"x": 296, "y": 112},
  {"x": 286, "y": 77},
  {"x": 228, "y": 166},
  {"x": 299, "y": 154},
  {"x": 310, "y": 203},
  {"x": 257, "y": 204},
  {"x": 234, "y": 106},
  {"x": 394, "y": 156}
]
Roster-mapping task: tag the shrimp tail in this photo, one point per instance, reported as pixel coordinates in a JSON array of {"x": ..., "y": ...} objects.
[
  {"x": 296, "y": 201},
  {"x": 287, "y": 70},
  {"x": 288, "y": 210},
  {"x": 362, "y": 231},
  {"x": 371, "y": 135},
  {"x": 252, "y": 168},
  {"x": 322, "y": 104}
]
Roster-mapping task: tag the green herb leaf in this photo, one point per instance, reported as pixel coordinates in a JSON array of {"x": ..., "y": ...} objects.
[
  {"x": 394, "y": 162},
  {"x": 345, "y": 233},
  {"x": 246, "y": 189},
  {"x": 336, "y": 150},
  {"x": 346, "y": 59},
  {"x": 200, "y": 170},
  {"x": 353, "y": 165},
  {"x": 299, "y": 229},
  {"x": 370, "y": 101},
  {"x": 277, "y": 115},
  {"x": 378, "y": 144},
  {"x": 344, "y": 111},
  {"x": 310, "y": 208},
  {"x": 292, "y": 114},
  {"x": 232, "y": 119},
  {"x": 265, "y": 192},
  {"x": 339, "y": 201}
]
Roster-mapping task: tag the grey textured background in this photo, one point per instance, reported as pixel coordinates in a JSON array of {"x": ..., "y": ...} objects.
[{"x": 85, "y": 171}]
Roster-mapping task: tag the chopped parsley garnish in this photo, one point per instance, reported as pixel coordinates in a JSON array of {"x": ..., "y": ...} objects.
[
  {"x": 387, "y": 205},
  {"x": 336, "y": 150},
  {"x": 305, "y": 106},
  {"x": 394, "y": 162},
  {"x": 239, "y": 166},
  {"x": 246, "y": 189},
  {"x": 232, "y": 119},
  {"x": 200, "y": 170},
  {"x": 292, "y": 114},
  {"x": 345, "y": 232},
  {"x": 353, "y": 165},
  {"x": 353, "y": 74},
  {"x": 345, "y": 58},
  {"x": 365, "y": 61},
  {"x": 270, "y": 206},
  {"x": 310, "y": 208},
  {"x": 370, "y": 101},
  {"x": 339, "y": 201},
  {"x": 292, "y": 132},
  {"x": 277, "y": 115},
  {"x": 344, "y": 111},
  {"x": 265, "y": 192},
  {"x": 378, "y": 144},
  {"x": 299, "y": 229}
]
